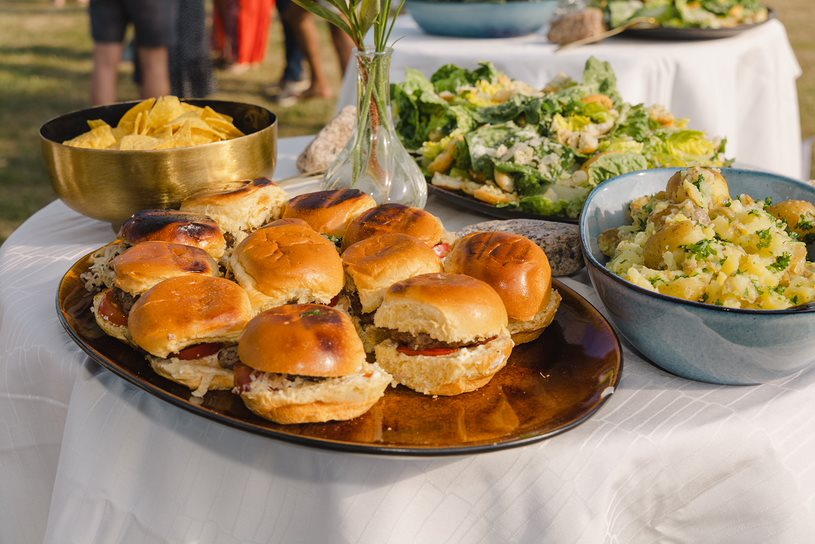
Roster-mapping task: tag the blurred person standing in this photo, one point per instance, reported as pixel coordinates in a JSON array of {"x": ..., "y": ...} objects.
[
  {"x": 293, "y": 82},
  {"x": 240, "y": 32},
  {"x": 305, "y": 30},
  {"x": 153, "y": 22},
  {"x": 190, "y": 62}
]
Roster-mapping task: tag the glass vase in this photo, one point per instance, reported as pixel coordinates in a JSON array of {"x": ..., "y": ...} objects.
[{"x": 375, "y": 161}]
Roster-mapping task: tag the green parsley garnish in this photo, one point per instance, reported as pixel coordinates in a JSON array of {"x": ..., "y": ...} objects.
[
  {"x": 764, "y": 238},
  {"x": 768, "y": 202},
  {"x": 310, "y": 313},
  {"x": 781, "y": 263},
  {"x": 805, "y": 223},
  {"x": 701, "y": 248},
  {"x": 698, "y": 182}
]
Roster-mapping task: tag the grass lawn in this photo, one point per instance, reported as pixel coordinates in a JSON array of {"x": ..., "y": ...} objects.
[{"x": 45, "y": 66}]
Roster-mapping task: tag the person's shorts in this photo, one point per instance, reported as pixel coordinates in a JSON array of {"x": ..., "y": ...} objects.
[{"x": 152, "y": 20}]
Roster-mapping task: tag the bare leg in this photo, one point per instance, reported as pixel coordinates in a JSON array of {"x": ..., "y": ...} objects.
[
  {"x": 155, "y": 79},
  {"x": 344, "y": 46},
  {"x": 305, "y": 29},
  {"x": 106, "y": 57}
]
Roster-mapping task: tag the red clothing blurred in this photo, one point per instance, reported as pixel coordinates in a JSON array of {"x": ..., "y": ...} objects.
[{"x": 240, "y": 29}]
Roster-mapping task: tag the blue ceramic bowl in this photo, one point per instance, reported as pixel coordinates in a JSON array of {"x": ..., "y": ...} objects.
[
  {"x": 694, "y": 340},
  {"x": 481, "y": 19}
]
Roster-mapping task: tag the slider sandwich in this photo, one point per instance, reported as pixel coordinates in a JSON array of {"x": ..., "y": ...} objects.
[
  {"x": 518, "y": 269},
  {"x": 239, "y": 207},
  {"x": 446, "y": 333},
  {"x": 287, "y": 261},
  {"x": 189, "y": 326},
  {"x": 374, "y": 264},
  {"x": 138, "y": 269},
  {"x": 398, "y": 218},
  {"x": 171, "y": 226},
  {"x": 304, "y": 363},
  {"x": 329, "y": 212}
]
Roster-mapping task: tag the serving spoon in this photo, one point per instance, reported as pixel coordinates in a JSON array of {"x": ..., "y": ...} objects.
[{"x": 639, "y": 22}]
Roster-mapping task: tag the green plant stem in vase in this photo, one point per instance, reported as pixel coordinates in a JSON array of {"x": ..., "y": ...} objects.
[{"x": 374, "y": 161}]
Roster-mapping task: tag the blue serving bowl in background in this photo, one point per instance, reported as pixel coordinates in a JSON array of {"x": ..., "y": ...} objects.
[
  {"x": 691, "y": 339},
  {"x": 481, "y": 19}
]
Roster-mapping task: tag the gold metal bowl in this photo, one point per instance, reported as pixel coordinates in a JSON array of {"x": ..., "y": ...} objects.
[{"x": 111, "y": 185}]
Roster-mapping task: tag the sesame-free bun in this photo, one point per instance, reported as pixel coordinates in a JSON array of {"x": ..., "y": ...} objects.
[
  {"x": 302, "y": 339},
  {"x": 465, "y": 370},
  {"x": 328, "y": 212},
  {"x": 308, "y": 340},
  {"x": 515, "y": 266},
  {"x": 388, "y": 218},
  {"x": 187, "y": 310},
  {"x": 529, "y": 330},
  {"x": 240, "y": 207},
  {"x": 448, "y": 307},
  {"x": 374, "y": 264},
  {"x": 110, "y": 328},
  {"x": 147, "y": 263},
  {"x": 190, "y": 229},
  {"x": 287, "y": 261}
]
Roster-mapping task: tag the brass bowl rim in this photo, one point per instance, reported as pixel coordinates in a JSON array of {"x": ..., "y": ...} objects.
[{"x": 131, "y": 103}]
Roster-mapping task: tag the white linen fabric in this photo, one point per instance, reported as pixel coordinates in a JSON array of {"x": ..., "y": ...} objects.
[
  {"x": 741, "y": 88},
  {"x": 87, "y": 458}
]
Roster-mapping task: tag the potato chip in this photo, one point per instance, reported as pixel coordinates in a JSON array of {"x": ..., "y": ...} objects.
[
  {"x": 99, "y": 137},
  {"x": 133, "y": 142},
  {"x": 162, "y": 123},
  {"x": 129, "y": 118}
]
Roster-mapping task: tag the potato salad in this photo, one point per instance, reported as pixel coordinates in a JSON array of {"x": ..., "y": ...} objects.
[{"x": 697, "y": 242}]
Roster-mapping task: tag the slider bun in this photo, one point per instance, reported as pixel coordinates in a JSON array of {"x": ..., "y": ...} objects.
[
  {"x": 287, "y": 261},
  {"x": 187, "y": 310},
  {"x": 448, "y": 307},
  {"x": 189, "y": 229},
  {"x": 332, "y": 399},
  {"x": 465, "y": 370},
  {"x": 374, "y": 264},
  {"x": 388, "y": 218},
  {"x": 515, "y": 266},
  {"x": 200, "y": 375},
  {"x": 240, "y": 206},
  {"x": 328, "y": 212},
  {"x": 147, "y": 263},
  {"x": 527, "y": 331},
  {"x": 118, "y": 332},
  {"x": 302, "y": 339}
]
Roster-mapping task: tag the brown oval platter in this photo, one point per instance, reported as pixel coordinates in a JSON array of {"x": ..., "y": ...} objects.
[{"x": 549, "y": 386}]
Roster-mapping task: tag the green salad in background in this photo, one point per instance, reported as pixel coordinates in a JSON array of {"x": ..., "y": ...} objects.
[
  {"x": 541, "y": 151},
  {"x": 685, "y": 13}
]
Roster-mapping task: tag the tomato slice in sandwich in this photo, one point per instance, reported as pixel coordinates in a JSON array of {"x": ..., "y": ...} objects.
[
  {"x": 199, "y": 350},
  {"x": 111, "y": 311}
]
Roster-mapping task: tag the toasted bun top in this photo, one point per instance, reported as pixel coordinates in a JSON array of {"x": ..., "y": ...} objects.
[
  {"x": 302, "y": 339},
  {"x": 376, "y": 263},
  {"x": 287, "y": 256},
  {"x": 515, "y": 266},
  {"x": 187, "y": 310},
  {"x": 241, "y": 205},
  {"x": 388, "y": 218},
  {"x": 190, "y": 229},
  {"x": 147, "y": 263},
  {"x": 448, "y": 307},
  {"x": 328, "y": 212}
]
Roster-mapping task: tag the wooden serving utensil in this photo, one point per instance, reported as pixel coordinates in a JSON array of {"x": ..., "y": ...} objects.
[{"x": 639, "y": 22}]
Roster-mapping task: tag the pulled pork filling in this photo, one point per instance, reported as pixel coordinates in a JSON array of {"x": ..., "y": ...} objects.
[
  {"x": 423, "y": 341},
  {"x": 244, "y": 376}
]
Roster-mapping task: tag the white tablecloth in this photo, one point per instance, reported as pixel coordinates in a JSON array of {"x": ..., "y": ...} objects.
[
  {"x": 741, "y": 88},
  {"x": 87, "y": 458}
]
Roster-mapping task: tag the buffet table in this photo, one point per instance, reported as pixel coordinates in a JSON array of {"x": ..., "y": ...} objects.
[
  {"x": 741, "y": 88},
  {"x": 85, "y": 457}
]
